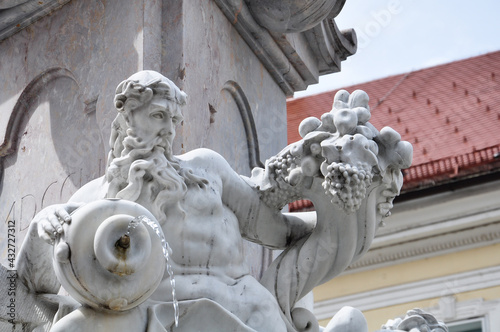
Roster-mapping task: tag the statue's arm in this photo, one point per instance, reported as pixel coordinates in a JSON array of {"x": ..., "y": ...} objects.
[
  {"x": 34, "y": 262},
  {"x": 94, "y": 190},
  {"x": 258, "y": 222},
  {"x": 351, "y": 173}
]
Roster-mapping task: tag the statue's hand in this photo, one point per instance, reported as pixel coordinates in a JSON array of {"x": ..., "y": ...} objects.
[{"x": 50, "y": 220}]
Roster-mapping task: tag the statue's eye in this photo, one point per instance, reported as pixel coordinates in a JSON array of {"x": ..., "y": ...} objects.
[{"x": 158, "y": 115}]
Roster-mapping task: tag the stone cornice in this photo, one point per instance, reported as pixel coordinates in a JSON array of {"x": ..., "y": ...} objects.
[
  {"x": 331, "y": 45},
  {"x": 294, "y": 60},
  {"x": 25, "y": 13},
  {"x": 410, "y": 292},
  {"x": 436, "y": 225},
  {"x": 436, "y": 245}
]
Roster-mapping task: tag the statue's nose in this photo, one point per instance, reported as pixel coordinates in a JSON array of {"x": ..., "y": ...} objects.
[{"x": 171, "y": 126}]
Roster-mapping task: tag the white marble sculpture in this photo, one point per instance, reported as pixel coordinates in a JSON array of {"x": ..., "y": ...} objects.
[
  {"x": 416, "y": 320},
  {"x": 346, "y": 167}
]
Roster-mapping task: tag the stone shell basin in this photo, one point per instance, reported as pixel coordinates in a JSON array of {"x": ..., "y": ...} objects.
[{"x": 95, "y": 270}]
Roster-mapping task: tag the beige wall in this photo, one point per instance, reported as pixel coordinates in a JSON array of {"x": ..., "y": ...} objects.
[{"x": 439, "y": 266}]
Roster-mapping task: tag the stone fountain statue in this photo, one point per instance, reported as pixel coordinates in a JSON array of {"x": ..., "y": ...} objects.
[{"x": 112, "y": 263}]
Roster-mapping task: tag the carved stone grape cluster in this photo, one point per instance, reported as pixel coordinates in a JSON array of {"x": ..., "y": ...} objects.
[
  {"x": 281, "y": 169},
  {"x": 346, "y": 150},
  {"x": 281, "y": 166},
  {"x": 347, "y": 184}
]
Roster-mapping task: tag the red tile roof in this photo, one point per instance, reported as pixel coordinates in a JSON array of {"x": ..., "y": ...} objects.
[{"x": 450, "y": 113}]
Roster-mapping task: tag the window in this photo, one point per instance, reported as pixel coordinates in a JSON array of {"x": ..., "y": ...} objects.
[{"x": 473, "y": 325}]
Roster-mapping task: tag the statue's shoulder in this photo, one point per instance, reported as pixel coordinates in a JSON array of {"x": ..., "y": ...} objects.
[
  {"x": 93, "y": 190},
  {"x": 203, "y": 157},
  {"x": 206, "y": 161}
]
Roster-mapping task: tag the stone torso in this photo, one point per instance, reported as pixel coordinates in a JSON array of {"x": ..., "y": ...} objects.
[
  {"x": 207, "y": 254},
  {"x": 204, "y": 233}
]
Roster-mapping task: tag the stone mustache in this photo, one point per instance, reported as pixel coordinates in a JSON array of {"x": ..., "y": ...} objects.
[{"x": 343, "y": 164}]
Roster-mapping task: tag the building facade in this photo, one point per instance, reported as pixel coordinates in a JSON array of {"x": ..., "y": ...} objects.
[{"x": 439, "y": 248}]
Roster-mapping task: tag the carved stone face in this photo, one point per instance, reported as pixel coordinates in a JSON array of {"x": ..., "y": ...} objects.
[{"x": 158, "y": 118}]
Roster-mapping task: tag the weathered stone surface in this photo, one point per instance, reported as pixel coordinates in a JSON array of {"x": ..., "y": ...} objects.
[
  {"x": 16, "y": 15},
  {"x": 223, "y": 79},
  {"x": 291, "y": 15},
  {"x": 20, "y": 309},
  {"x": 287, "y": 56}
]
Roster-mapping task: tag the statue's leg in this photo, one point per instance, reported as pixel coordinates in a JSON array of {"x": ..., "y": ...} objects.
[
  {"x": 34, "y": 264},
  {"x": 86, "y": 319},
  {"x": 20, "y": 308}
]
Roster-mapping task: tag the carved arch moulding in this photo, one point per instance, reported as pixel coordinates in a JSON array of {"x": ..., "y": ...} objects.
[
  {"x": 253, "y": 150},
  {"x": 60, "y": 116},
  {"x": 21, "y": 108},
  {"x": 245, "y": 111},
  {"x": 19, "y": 192}
]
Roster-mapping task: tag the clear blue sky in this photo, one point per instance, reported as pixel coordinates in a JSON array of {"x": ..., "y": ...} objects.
[{"x": 398, "y": 36}]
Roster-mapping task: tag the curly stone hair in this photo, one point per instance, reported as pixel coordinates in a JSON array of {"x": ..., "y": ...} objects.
[{"x": 140, "y": 88}]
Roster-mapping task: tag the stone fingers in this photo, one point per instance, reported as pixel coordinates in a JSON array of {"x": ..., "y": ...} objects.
[
  {"x": 55, "y": 222},
  {"x": 46, "y": 231},
  {"x": 63, "y": 215},
  {"x": 49, "y": 226}
]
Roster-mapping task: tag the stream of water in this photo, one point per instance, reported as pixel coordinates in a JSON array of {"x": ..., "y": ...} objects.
[{"x": 166, "y": 250}]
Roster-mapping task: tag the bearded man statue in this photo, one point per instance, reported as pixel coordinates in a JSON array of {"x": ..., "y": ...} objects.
[{"x": 206, "y": 210}]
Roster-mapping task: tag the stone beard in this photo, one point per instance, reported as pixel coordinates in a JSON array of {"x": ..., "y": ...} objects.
[{"x": 147, "y": 173}]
